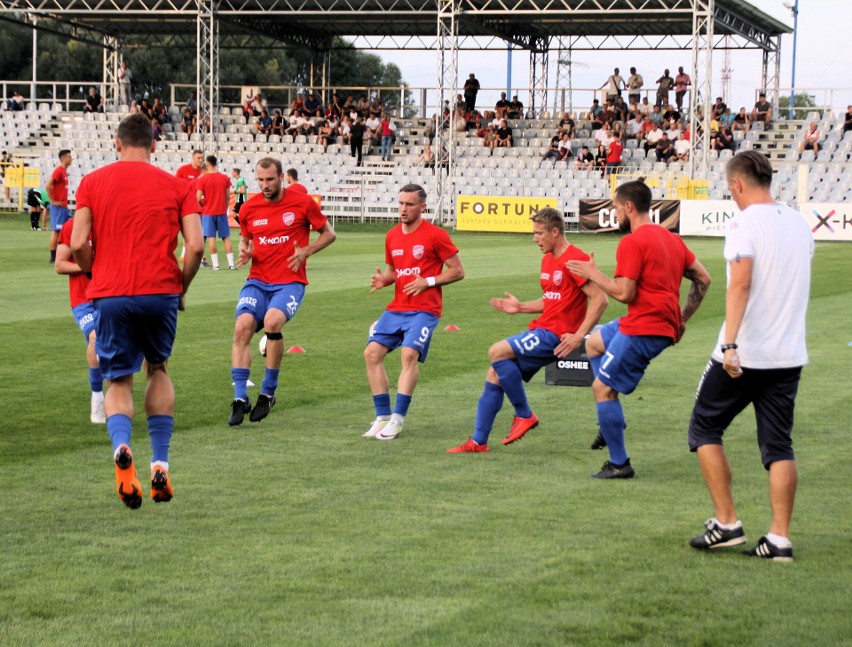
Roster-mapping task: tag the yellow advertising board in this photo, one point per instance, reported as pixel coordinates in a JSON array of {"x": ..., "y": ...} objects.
[
  {"x": 495, "y": 213},
  {"x": 19, "y": 176}
]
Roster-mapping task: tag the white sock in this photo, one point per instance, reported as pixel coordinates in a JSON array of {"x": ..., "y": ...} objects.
[
  {"x": 398, "y": 419},
  {"x": 383, "y": 417},
  {"x": 163, "y": 464},
  {"x": 778, "y": 540},
  {"x": 729, "y": 526},
  {"x": 230, "y": 259},
  {"x": 214, "y": 258}
]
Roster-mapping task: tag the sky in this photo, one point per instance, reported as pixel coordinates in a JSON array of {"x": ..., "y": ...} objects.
[{"x": 823, "y": 51}]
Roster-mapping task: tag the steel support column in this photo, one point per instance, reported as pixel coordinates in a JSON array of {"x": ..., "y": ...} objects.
[
  {"x": 445, "y": 141},
  {"x": 564, "y": 82},
  {"x": 700, "y": 99},
  {"x": 207, "y": 72},
  {"x": 770, "y": 74},
  {"x": 539, "y": 55},
  {"x": 111, "y": 62}
]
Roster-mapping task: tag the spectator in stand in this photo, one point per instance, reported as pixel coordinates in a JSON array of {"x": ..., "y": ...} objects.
[
  {"x": 664, "y": 149},
  {"x": 603, "y": 135},
  {"x": 613, "y": 85},
  {"x": 552, "y": 151},
  {"x": 742, "y": 121},
  {"x": 565, "y": 148},
  {"x": 471, "y": 89},
  {"x": 633, "y": 127},
  {"x": 810, "y": 141},
  {"x": 258, "y": 105},
  {"x": 317, "y": 120},
  {"x": 156, "y": 129},
  {"x": 847, "y": 121},
  {"x": 356, "y": 139},
  {"x": 312, "y": 104},
  {"x": 427, "y": 158},
  {"x": 94, "y": 101},
  {"x": 326, "y": 134},
  {"x": 645, "y": 107},
  {"x": 504, "y": 135},
  {"x": 727, "y": 118},
  {"x": 647, "y": 126},
  {"x": 657, "y": 115},
  {"x": 682, "y": 147},
  {"x": 671, "y": 114},
  {"x": 160, "y": 111},
  {"x": 516, "y": 108},
  {"x": 373, "y": 125},
  {"x": 567, "y": 125},
  {"x": 188, "y": 124},
  {"x": 621, "y": 109},
  {"x": 263, "y": 125},
  {"x": 664, "y": 86},
  {"x": 473, "y": 120},
  {"x": 387, "y": 129},
  {"x": 762, "y": 111},
  {"x": 653, "y": 138},
  {"x": 363, "y": 106},
  {"x": 293, "y": 123},
  {"x": 343, "y": 130},
  {"x": 681, "y": 85},
  {"x": 725, "y": 139},
  {"x": 719, "y": 108},
  {"x": 594, "y": 114},
  {"x": 600, "y": 159},
  {"x": 335, "y": 106},
  {"x": 376, "y": 108},
  {"x": 501, "y": 107},
  {"x": 349, "y": 105},
  {"x": 617, "y": 129},
  {"x": 634, "y": 85},
  {"x": 614, "y": 153},
  {"x": 298, "y": 104},
  {"x": 192, "y": 103},
  {"x": 673, "y": 129},
  {"x": 16, "y": 102},
  {"x": 489, "y": 139},
  {"x": 585, "y": 160},
  {"x": 125, "y": 84},
  {"x": 278, "y": 124}
]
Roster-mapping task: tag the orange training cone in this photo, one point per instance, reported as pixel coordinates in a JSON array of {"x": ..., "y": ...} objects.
[
  {"x": 452, "y": 328},
  {"x": 295, "y": 349}
]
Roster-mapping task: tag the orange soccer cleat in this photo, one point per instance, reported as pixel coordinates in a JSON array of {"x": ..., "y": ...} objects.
[
  {"x": 161, "y": 485},
  {"x": 520, "y": 426},
  {"x": 126, "y": 481},
  {"x": 468, "y": 447}
]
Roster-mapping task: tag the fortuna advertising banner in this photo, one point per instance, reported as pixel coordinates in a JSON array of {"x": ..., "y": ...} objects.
[{"x": 505, "y": 214}]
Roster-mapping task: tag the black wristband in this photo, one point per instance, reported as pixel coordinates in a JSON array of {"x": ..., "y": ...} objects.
[{"x": 725, "y": 347}]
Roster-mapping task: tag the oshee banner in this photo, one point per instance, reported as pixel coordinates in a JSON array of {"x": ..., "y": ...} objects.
[
  {"x": 828, "y": 220},
  {"x": 706, "y": 217},
  {"x": 599, "y": 215},
  {"x": 488, "y": 213}
]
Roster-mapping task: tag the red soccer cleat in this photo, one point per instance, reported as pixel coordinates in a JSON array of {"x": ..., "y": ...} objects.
[
  {"x": 520, "y": 426},
  {"x": 468, "y": 447}
]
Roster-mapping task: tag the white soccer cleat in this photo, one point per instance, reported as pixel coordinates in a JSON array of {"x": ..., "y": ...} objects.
[
  {"x": 377, "y": 425},
  {"x": 390, "y": 431},
  {"x": 98, "y": 415}
]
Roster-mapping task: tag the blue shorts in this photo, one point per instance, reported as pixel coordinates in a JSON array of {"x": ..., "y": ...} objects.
[
  {"x": 59, "y": 216},
  {"x": 533, "y": 349},
  {"x": 132, "y": 328},
  {"x": 84, "y": 315},
  {"x": 409, "y": 329},
  {"x": 215, "y": 226},
  {"x": 257, "y": 297},
  {"x": 627, "y": 356}
]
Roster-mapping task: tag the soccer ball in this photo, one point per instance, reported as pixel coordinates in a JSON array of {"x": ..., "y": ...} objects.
[{"x": 262, "y": 346}]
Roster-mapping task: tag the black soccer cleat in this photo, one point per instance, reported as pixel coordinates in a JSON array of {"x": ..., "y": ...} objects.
[
  {"x": 767, "y": 550},
  {"x": 717, "y": 537},
  {"x": 262, "y": 406},
  {"x": 613, "y": 471},
  {"x": 599, "y": 442},
  {"x": 239, "y": 408}
]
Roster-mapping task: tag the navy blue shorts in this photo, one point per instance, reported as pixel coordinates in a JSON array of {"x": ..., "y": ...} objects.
[
  {"x": 84, "y": 315},
  {"x": 409, "y": 329},
  {"x": 626, "y": 357},
  {"x": 58, "y": 217},
  {"x": 533, "y": 349},
  {"x": 130, "y": 329},
  {"x": 721, "y": 398},
  {"x": 257, "y": 297},
  {"x": 215, "y": 226}
]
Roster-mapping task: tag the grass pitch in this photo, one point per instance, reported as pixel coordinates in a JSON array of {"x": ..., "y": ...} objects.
[{"x": 296, "y": 531}]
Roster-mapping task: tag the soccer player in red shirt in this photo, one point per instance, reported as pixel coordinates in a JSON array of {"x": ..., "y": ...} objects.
[
  {"x": 293, "y": 183},
  {"x": 57, "y": 193},
  {"x": 416, "y": 252},
  {"x": 275, "y": 228},
  {"x": 650, "y": 262},
  {"x": 84, "y": 314},
  {"x": 213, "y": 190},
  {"x": 133, "y": 212},
  {"x": 191, "y": 172},
  {"x": 570, "y": 307}
]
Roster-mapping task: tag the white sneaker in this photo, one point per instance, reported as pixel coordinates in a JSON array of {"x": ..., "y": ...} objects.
[
  {"x": 98, "y": 416},
  {"x": 377, "y": 425},
  {"x": 390, "y": 431}
]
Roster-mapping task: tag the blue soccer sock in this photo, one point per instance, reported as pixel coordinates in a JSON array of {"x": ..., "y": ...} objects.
[
  {"x": 96, "y": 380},
  {"x": 270, "y": 381},
  {"x": 611, "y": 420},
  {"x": 160, "y": 432},
  {"x": 490, "y": 403},
  {"x": 402, "y": 403},
  {"x": 509, "y": 374},
  {"x": 119, "y": 428},
  {"x": 381, "y": 402},
  {"x": 240, "y": 377},
  {"x": 596, "y": 364}
]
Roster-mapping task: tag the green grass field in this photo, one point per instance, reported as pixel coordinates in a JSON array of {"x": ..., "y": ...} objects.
[{"x": 296, "y": 531}]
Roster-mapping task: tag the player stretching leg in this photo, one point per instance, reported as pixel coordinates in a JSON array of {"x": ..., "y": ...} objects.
[
  {"x": 569, "y": 306},
  {"x": 275, "y": 227},
  {"x": 416, "y": 252},
  {"x": 84, "y": 315}
]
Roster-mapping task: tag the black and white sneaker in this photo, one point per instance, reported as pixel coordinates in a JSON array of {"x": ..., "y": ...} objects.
[
  {"x": 261, "y": 408},
  {"x": 718, "y": 537},
  {"x": 239, "y": 409},
  {"x": 613, "y": 471},
  {"x": 767, "y": 550},
  {"x": 599, "y": 442}
]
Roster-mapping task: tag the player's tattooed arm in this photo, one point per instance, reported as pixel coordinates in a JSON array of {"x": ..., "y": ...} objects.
[{"x": 699, "y": 284}]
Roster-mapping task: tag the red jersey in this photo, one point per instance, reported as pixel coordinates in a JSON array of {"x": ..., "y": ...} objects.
[
  {"x": 189, "y": 173},
  {"x": 419, "y": 253},
  {"x": 656, "y": 259},
  {"x": 77, "y": 283},
  {"x": 59, "y": 189},
  {"x": 216, "y": 188},
  {"x": 297, "y": 187},
  {"x": 614, "y": 154},
  {"x": 274, "y": 227},
  {"x": 136, "y": 215},
  {"x": 565, "y": 302}
]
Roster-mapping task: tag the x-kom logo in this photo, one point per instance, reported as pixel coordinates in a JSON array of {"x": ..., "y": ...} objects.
[{"x": 823, "y": 222}]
